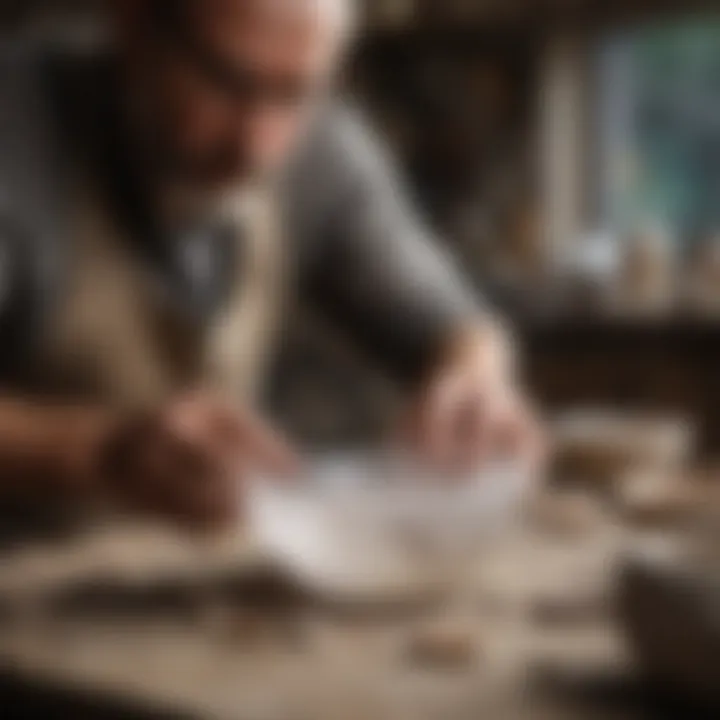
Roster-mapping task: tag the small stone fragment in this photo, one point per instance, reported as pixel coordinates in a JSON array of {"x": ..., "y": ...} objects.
[
  {"x": 595, "y": 447},
  {"x": 565, "y": 610},
  {"x": 234, "y": 626},
  {"x": 651, "y": 499},
  {"x": 444, "y": 647},
  {"x": 567, "y": 514}
]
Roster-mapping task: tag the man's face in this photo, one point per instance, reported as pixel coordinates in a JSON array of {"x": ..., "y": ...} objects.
[{"x": 224, "y": 93}]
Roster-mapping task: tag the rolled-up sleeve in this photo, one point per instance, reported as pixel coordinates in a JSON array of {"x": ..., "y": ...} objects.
[{"x": 376, "y": 271}]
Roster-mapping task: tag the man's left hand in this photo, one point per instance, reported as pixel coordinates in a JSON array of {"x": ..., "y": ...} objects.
[{"x": 471, "y": 410}]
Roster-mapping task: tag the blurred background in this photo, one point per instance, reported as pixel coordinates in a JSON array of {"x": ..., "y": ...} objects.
[{"x": 568, "y": 151}]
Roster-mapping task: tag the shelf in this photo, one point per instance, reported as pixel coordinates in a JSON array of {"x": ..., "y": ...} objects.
[{"x": 526, "y": 16}]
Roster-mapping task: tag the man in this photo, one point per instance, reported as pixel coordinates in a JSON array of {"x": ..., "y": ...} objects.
[{"x": 135, "y": 319}]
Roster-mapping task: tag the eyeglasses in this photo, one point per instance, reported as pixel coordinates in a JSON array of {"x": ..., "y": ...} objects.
[{"x": 240, "y": 84}]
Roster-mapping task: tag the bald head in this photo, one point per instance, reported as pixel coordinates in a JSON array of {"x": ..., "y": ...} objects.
[
  {"x": 227, "y": 86},
  {"x": 334, "y": 14}
]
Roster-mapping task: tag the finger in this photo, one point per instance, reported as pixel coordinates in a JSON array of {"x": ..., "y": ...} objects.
[
  {"x": 227, "y": 422},
  {"x": 198, "y": 512},
  {"x": 245, "y": 439},
  {"x": 221, "y": 451},
  {"x": 193, "y": 491},
  {"x": 435, "y": 421},
  {"x": 214, "y": 503},
  {"x": 473, "y": 424},
  {"x": 186, "y": 453},
  {"x": 523, "y": 439},
  {"x": 168, "y": 477},
  {"x": 509, "y": 435},
  {"x": 538, "y": 445},
  {"x": 219, "y": 430},
  {"x": 186, "y": 417},
  {"x": 265, "y": 449}
]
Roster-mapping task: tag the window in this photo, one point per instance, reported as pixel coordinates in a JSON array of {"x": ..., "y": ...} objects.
[{"x": 660, "y": 126}]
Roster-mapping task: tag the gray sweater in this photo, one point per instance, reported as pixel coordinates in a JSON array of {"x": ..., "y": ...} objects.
[{"x": 363, "y": 259}]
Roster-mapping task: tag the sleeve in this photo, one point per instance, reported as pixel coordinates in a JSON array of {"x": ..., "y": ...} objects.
[{"x": 376, "y": 273}]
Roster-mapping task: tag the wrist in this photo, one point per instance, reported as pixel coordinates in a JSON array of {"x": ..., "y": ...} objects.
[
  {"x": 487, "y": 348},
  {"x": 83, "y": 439}
]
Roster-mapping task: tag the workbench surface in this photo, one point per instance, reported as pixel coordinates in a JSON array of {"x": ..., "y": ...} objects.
[{"x": 148, "y": 623}]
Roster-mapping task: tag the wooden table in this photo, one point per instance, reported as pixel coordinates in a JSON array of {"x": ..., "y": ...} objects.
[{"x": 131, "y": 625}]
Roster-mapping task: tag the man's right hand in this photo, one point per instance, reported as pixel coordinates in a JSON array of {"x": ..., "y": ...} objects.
[{"x": 187, "y": 461}]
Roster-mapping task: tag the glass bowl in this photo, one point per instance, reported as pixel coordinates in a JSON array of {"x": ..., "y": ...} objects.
[{"x": 367, "y": 528}]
